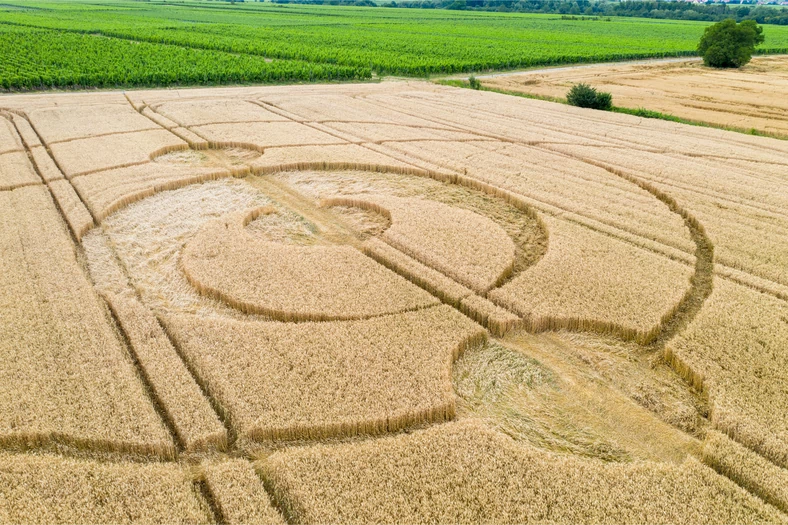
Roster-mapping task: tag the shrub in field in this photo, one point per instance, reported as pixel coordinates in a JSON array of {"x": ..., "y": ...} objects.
[
  {"x": 728, "y": 44},
  {"x": 474, "y": 82},
  {"x": 584, "y": 96}
]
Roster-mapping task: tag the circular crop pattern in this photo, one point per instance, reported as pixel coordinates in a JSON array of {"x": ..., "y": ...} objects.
[{"x": 293, "y": 283}]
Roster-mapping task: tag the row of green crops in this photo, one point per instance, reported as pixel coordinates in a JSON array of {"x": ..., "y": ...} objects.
[
  {"x": 323, "y": 42},
  {"x": 43, "y": 59}
]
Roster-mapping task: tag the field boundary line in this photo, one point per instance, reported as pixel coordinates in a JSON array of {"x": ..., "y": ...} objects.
[
  {"x": 101, "y": 135},
  {"x": 584, "y": 221},
  {"x": 150, "y": 390},
  {"x": 689, "y": 128},
  {"x": 546, "y": 206}
]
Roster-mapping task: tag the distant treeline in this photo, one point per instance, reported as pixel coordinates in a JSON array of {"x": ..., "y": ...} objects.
[{"x": 637, "y": 8}]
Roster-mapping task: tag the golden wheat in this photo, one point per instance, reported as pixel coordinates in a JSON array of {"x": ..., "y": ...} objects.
[
  {"x": 64, "y": 122},
  {"x": 619, "y": 261},
  {"x": 109, "y": 191},
  {"x": 740, "y": 210},
  {"x": 495, "y": 318},
  {"x": 556, "y": 184},
  {"x": 748, "y": 469},
  {"x": 65, "y": 378},
  {"x": 90, "y": 155},
  {"x": 51, "y": 489},
  {"x": 289, "y": 282},
  {"x": 190, "y": 413},
  {"x": 461, "y": 244},
  {"x": 201, "y": 112},
  {"x": 9, "y": 138},
  {"x": 588, "y": 281},
  {"x": 238, "y": 492},
  {"x": 106, "y": 272},
  {"x": 384, "y": 132},
  {"x": 16, "y": 171},
  {"x": 311, "y": 380},
  {"x": 77, "y": 216},
  {"x": 446, "y": 289},
  {"x": 465, "y": 473},
  {"x": 266, "y": 134},
  {"x": 194, "y": 140},
  {"x": 736, "y": 350},
  {"x": 165, "y": 222},
  {"x": 159, "y": 119},
  {"x": 45, "y": 166},
  {"x": 340, "y": 107},
  {"x": 26, "y": 132}
]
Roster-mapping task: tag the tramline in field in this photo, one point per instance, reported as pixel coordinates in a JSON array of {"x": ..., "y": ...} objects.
[{"x": 387, "y": 302}]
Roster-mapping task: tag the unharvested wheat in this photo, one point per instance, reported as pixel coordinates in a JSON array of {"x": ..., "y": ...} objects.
[
  {"x": 111, "y": 190},
  {"x": 198, "y": 112},
  {"x": 466, "y": 246},
  {"x": 45, "y": 165},
  {"x": 265, "y": 134},
  {"x": 51, "y": 489},
  {"x": 588, "y": 281},
  {"x": 90, "y": 155},
  {"x": 16, "y": 171},
  {"x": 63, "y": 122},
  {"x": 312, "y": 380},
  {"x": 9, "y": 138},
  {"x": 77, "y": 216},
  {"x": 747, "y": 468},
  {"x": 239, "y": 493},
  {"x": 735, "y": 350},
  {"x": 465, "y": 473},
  {"x": 65, "y": 378},
  {"x": 190, "y": 413},
  {"x": 290, "y": 282},
  {"x": 26, "y": 132}
]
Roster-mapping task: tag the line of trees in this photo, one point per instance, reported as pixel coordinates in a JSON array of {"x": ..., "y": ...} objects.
[{"x": 739, "y": 10}]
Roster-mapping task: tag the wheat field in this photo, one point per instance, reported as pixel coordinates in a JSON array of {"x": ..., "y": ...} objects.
[{"x": 387, "y": 302}]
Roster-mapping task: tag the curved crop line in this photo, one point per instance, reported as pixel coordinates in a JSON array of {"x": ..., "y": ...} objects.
[
  {"x": 700, "y": 284},
  {"x": 275, "y": 313},
  {"x": 445, "y": 411},
  {"x": 364, "y": 204}
]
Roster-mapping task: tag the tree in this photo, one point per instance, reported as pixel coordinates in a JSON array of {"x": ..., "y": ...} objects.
[
  {"x": 728, "y": 44},
  {"x": 584, "y": 96}
]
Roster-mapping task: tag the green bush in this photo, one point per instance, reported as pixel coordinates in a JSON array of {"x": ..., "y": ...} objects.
[
  {"x": 728, "y": 44},
  {"x": 584, "y": 96},
  {"x": 474, "y": 82}
]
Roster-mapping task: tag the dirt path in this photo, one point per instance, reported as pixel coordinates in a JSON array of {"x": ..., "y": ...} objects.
[{"x": 552, "y": 69}]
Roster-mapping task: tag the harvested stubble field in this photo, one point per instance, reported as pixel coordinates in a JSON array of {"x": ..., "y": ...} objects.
[
  {"x": 753, "y": 97},
  {"x": 395, "y": 302}
]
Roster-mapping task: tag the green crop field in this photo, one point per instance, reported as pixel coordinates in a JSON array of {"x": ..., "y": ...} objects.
[{"x": 126, "y": 43}]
